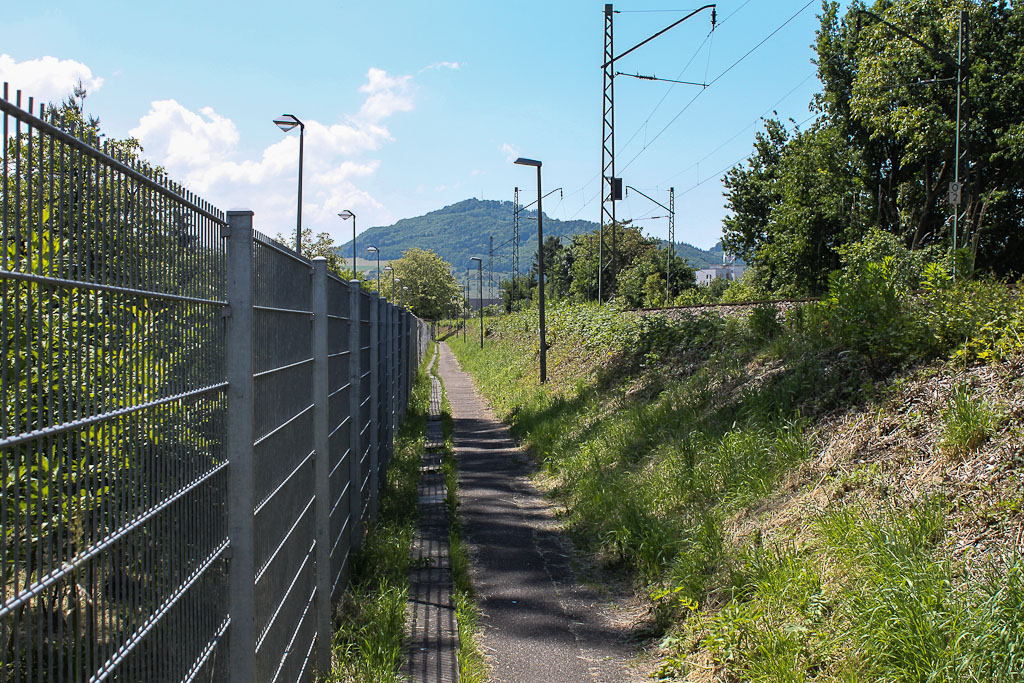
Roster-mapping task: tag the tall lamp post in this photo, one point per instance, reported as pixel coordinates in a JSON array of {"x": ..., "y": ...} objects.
[
  {"x": 465, "y": 298},
  {"x": 480, "y": 300},
  {"x": 286, "y": 122},
  {"x": 392, "y": 281},
  {"x": 540, "y": 267},
  {"x": 345, "y": 215},
  {"x": 404, "y": 290},
  {"x": 375, "y": 249}
]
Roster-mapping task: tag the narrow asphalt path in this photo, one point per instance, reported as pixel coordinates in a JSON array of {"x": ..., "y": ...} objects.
[{"x": 539, "y": 625}]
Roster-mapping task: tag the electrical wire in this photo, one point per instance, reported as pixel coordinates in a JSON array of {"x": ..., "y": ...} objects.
[{"x": 716, "y": 79}]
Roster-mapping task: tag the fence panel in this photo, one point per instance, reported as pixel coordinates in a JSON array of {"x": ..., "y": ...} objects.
[
  {"x": 195, "y": 423},
  {"x": 339, "y": 429},
  {"x": 283, "y": 458},
  {"x": 113, "y": 393}
]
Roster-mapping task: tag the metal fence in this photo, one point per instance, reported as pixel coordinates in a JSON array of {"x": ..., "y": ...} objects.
[{"x": 195, "y": 423}]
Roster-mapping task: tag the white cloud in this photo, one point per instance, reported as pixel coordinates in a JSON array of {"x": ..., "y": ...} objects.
[
  {"x": 387, "y": 95},
  {"x": 47, "y": 79},
  {"x": 202, "y": 150},
  {"x": 511, "y": 152},
  {"x": 455, "y": 66}
]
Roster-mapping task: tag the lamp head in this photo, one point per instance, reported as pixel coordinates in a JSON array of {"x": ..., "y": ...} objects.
[
  {"x": 371, "y": 249},
  {"x": 523, "y": 161},
  {"x": 346, "y": 214},
  {"x": 288, "y": 121},
  {"x": 389, "y": 268},
  {"x": 475, "y": 258}
]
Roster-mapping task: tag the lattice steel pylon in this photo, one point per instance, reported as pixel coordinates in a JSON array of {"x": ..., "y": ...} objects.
[
  {"x": 607, "y": 153},
  {"x": 515, "y": 247}
]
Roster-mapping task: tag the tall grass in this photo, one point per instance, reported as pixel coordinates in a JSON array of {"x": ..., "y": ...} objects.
[
  {"x": 370, "y": 622},
  {"x": 657, "y": 439}
]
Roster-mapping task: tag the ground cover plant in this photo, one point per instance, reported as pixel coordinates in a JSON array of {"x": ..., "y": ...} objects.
[
  {"x": 370, "y": 622},
  {"x": 829, "y": 493}
]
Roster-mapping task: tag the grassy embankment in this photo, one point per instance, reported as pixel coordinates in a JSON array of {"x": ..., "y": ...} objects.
[
  {"x": 829, "y": 495},
  {"x": 370, "y": 622}
]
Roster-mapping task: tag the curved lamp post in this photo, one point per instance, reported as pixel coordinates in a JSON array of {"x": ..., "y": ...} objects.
[
  {"x": 375, "y": 249},
  {"x": 540, "y": 267},
  {"x": 345, "y": 215},
  {"x": 286, "y": 122},
  {"x": 480, "y": 300}
]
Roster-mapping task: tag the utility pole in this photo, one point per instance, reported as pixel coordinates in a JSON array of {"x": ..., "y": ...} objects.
[
  {"x": 607, "y": 149},
  {"x": 515, "y": 248},
  {"x": 960, "y": 169},
  {"x": 490, "y": 270},
  {"x": 671, "y": 244},
  {"x": 958, "y": 189},
  {"x": 611, "y": 186}
]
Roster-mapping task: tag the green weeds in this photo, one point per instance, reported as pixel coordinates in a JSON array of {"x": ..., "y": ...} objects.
[
  {"x": 659, "y": 434},
  {"x": 370, "y": 623},
  {"x": 968, "y": 421}
]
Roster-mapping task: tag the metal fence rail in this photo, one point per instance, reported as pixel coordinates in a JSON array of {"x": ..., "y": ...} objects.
[{"x": 195, "y": 420}]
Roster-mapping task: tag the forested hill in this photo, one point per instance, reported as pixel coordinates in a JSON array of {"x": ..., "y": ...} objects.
[{"x": 460, "y": 231}]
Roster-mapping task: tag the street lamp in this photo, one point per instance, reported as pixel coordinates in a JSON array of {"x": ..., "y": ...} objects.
[
  {"x": 404, "y": 290},
  {"x": 286, "y": 122},
  {"x": 345, "y": 215},
  {"x": 375, "y": 249},
  {"x": 465, "y": 299},
  {"x": 480, "y": 270},
  {"x": 540, "y": 267},
  {"x": 392, "y": 281}
]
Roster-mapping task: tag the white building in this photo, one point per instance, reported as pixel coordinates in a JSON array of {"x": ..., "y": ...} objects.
[{"x": 725, "y": 271}]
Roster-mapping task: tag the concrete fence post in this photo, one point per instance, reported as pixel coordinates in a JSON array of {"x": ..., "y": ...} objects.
[
  {"x": 355, "y": 489},
  {"x": 374, "y": 428},
  {"x": 321, "y": 467},
  {"x": 240, "y": 439}
]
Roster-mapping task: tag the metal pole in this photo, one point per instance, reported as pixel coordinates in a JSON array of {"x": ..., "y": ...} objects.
[
  {"x": 354, "y": 247},
  {"x": 321, "y": 465},
  {"x": 480, "y": 272},
  {"x": 378, "y": 272},
  {"x": 465, "y": 298},
  {"x": 374, "y": 429},
  {"x": 298, "y": 220},
  {"x": 355, "y": 489},
  {"x": 240, "y": 439},
  {"x": 540, "y": 281},
  {"x": 671, "y": 244}
]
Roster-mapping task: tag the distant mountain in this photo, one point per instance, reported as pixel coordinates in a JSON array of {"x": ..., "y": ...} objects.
[{"x": 461, "y": 231}]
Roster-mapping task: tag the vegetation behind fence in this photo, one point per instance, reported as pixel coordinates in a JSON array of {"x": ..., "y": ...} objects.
[{"x": 195, "y": 420}]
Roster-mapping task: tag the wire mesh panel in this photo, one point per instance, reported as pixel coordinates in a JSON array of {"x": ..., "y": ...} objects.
[
  {"x": 112, "y": 462},
  {"x": 364, "y": 414},
  {"x": 283, "y": 464},
  {"x": 339, "y": 429}
]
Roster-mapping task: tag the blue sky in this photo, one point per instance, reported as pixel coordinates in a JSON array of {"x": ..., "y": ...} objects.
[{"x": 411, "y": 106}]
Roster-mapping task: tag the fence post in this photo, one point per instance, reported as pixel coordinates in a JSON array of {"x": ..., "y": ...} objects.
[
  {"x": 374, "y": 428},
  {"x": 240, "y": 439},
  {"x": 389, "y": 431},
  {"x": 321, "y": 467},
  {"x": 355, "y": 473}
]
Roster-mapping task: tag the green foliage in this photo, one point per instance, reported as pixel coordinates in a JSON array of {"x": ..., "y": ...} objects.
[
  {"x": 432, "y": 291},
  {"x": 322, "y": 245},
  {"x": 968, "y": 421},
  {"x": 370, "y": 635}
]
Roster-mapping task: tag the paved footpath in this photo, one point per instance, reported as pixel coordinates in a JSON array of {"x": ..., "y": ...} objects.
[{"x": 539, "y": 625}]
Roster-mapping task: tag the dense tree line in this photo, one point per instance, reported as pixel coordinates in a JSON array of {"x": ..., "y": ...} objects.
[
  {"x": 571, "y": 272},
  {"x": 881, "y": 150}
]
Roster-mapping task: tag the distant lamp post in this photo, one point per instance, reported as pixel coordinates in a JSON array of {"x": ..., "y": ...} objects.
[
  {"x": 480, "y": 300},
  {"x": 286, "y": 122},
  {"x": 392, "y": 281},
  {"x": 465, "y": 299},
  {"x": 375, "y": 249},
  {"x": 345, "y": 215},
  {"x": 404, "y": 290},
  {"x": 540, "y": 267}
]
